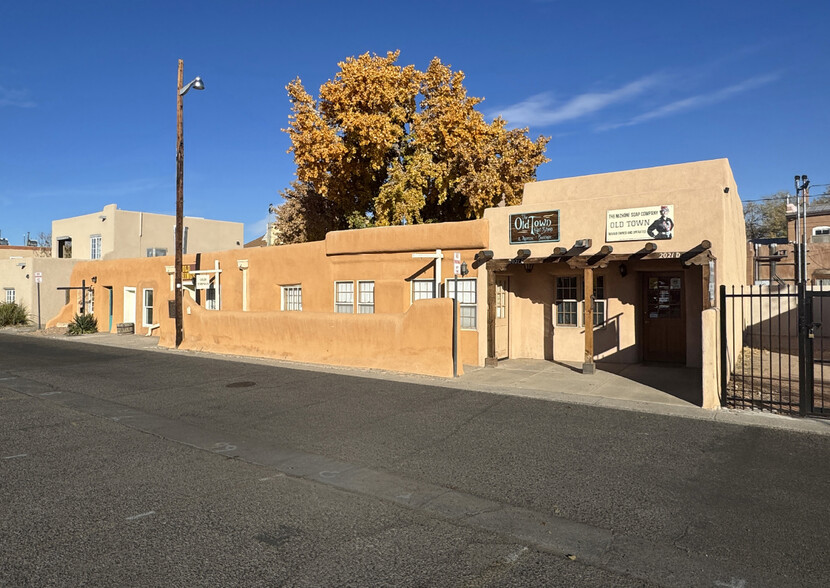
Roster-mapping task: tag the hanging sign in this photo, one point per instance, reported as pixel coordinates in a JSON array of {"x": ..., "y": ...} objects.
[
  {"x": 202, "y": 281},
  {"x": 534, "y": 227},
  {"x": 640, "y": 224}
]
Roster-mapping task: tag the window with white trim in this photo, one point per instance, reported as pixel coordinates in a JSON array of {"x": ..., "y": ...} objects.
[
  {"x": 292, "y": 297},
  {"x": 95, "y": 246},
  {"x": 567, "y": 301},
  {"x": 344, "y": 297},
  {"x": 600, "y": 302},
  {"x": 365, "y": 297},
  {"x": 156, "y": 252},
  {"x": 821, "y": 230},
  {"x": 147, "y": 307},
  {"x": 10, "y": 295},
  {"x": 466, "y": 301},
  {"x": 423, "y": 289},
  {"x": 90, "y": 301}
]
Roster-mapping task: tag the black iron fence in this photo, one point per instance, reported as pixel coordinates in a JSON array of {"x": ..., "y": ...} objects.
[{"x": 773, "y": 349}]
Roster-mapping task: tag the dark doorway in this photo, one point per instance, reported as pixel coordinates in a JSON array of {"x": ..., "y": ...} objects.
[{"x": 664, "y": 318}]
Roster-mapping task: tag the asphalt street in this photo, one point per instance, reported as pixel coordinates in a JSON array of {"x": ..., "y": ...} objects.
[{"x": 125, "y": 467}]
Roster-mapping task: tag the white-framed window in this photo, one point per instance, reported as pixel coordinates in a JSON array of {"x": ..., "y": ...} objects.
[
  {"x": 213, "y": 297},
  {"x": 821, "y": 230},
  {"x": 95, "y": 246},
  {"x": 147, "y": 307},
  {"x": 365, "y": 297},
  {"x": 156, "y": 252},
  {"x": 423, "y": 289},
  {"x": 567, "y": 301},
  {"x": 292, "y": 297},
  {"x": 600, "y": 302},
  {"x": 90, "y": 301},
  {"x": 466, "y": 301},
  {"x": 10, "y": 295},
  {"x": 344, "y": 297}
]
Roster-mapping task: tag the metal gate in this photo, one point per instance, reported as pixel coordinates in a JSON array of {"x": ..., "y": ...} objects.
[{"x": 773, "y": 349}]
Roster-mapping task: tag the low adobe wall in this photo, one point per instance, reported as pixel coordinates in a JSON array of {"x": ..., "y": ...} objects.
[{"x": 400, "y": 342}]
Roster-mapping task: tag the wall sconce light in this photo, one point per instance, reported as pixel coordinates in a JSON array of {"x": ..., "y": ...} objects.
[
  {"x": 582, "y": 244},
  {"x": 623, "y": 270},
  {"x": 102, "y": 217},
  {"x": 94, "y": 279}
]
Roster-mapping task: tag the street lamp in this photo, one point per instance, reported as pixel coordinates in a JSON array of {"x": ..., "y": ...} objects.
[{"x": 196, "y": 84}]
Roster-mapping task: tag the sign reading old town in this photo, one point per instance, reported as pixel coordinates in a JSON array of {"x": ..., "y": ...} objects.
[
  {"x": 534, "y": 227},
  {"x": 640, "y": 224}
]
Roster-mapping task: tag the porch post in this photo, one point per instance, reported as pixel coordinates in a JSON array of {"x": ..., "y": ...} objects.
[
  {"x": 588, "y": 366},
  {"x": 491, "y": 360}
]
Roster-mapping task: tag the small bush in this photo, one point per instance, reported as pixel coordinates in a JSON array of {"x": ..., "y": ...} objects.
[
  {"x": 82, "y": 324},
  {"x": 12, "y": 313}
]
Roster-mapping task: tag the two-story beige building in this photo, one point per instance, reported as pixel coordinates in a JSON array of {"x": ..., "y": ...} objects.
[{"x": 114, "y": 233}]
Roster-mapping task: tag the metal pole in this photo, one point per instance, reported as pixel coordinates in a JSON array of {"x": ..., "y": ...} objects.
[
  {"x": 179, "y": 204},
  {"x": 83, "y": 296},
  {"x": 38, "y": 307},
  {"x": 455, "y": 327}
]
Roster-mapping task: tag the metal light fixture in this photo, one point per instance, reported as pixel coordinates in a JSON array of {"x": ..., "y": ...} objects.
[{"x": 196, "y": 84}]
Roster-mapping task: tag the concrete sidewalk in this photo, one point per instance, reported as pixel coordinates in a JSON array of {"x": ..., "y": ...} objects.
[{"x": 671, "y": 391}]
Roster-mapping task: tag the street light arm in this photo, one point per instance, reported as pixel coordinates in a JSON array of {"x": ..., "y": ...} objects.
[{"x": 196, "y": 84}]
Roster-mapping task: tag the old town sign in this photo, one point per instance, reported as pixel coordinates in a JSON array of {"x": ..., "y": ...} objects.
[{"x": 534, "y": 227}]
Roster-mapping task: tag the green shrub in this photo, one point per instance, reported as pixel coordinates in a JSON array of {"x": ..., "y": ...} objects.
[
  {"x": 82, "y": 324},
  {"x": 12, "y": 313}
]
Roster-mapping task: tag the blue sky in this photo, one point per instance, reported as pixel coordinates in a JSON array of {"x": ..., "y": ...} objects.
[{"x": 87, "y": 91}]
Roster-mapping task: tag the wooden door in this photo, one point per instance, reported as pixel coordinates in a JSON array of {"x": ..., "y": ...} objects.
[
  {"x": 664, "y": 318},
  {"x": 502, "y": 319}
]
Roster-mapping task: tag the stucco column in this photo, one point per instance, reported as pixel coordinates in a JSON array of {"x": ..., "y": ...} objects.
[{"x": 242, "y": 264}]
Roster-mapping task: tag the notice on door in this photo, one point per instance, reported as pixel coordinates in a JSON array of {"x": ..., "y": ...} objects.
[{"x": 640, "y": 224}]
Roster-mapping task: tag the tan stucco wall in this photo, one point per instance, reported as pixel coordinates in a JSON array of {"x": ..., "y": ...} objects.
[
  {"x": 401, "y": 342},
  {"x": 128, "y": 234}
]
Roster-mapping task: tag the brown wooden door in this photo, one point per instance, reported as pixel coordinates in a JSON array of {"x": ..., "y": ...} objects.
[
  {"x": 502, "y": 318},
  {"x": 664, "y": 318}
]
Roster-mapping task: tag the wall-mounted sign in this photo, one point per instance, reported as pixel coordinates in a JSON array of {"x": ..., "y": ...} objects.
[
  {"x": 640, "y": 224},
  {"x": 534, "y": 227}
]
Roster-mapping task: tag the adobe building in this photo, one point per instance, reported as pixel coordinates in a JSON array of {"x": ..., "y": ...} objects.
[
  {"x": 28, "y": 277},
  {"x": 115, "y": 234},
  {"x": 635, "y": 255}
]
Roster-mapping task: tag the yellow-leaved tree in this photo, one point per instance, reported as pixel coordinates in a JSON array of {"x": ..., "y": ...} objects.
[{"x": 387, "y": 144}]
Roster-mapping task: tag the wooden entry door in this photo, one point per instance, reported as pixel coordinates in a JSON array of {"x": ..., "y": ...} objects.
[
  {"x": 502, "y": 319},
  {"x": 664, "y": 318}
]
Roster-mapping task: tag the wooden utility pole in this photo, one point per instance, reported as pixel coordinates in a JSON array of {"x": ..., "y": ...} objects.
[{"x": 179, "y": 204}]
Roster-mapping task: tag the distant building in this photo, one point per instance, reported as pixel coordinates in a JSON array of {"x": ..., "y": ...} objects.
[
  {"x": 772, "y": 261},
  {"x": 23, "y": 270},
  {"x": 117, "y": 234}
]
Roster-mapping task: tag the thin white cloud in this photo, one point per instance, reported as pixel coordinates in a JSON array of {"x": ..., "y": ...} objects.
[
  {"x": 698, "y": 101},
  {"x": 18, "y": 98},
  {"x": 541, "y": 110}
]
